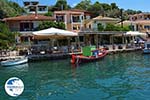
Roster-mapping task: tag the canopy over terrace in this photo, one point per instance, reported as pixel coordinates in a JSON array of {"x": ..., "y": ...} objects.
[
  {"x": 135, "y": 33},
  {"x": 136, "y": 37},
  {"x": 99, "y": 38},
  {"x": 53, "y": 33}
]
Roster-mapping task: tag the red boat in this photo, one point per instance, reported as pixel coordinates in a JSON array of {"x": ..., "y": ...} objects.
[{"x": 76, "y": 59}]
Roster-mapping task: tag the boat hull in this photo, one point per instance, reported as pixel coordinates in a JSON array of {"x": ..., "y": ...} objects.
[
  {"x": 14, "y": 62},
  {"x": 146, "y": 51},
  {"x": 77, "y": 59}
]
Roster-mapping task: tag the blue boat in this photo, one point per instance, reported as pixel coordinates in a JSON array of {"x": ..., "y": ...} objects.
[
  {"x": 146, "y": 49},
  {"x": 13, "y": 62}
]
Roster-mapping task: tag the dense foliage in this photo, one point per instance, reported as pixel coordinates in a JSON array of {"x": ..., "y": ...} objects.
[
  {"x": 61, "y": 5},
  {"x": 97, "y": 8},
  {"x": 9, "y": 9},
  {"x": 112, "y": 27},
  {"x": 7, "y": 38}
]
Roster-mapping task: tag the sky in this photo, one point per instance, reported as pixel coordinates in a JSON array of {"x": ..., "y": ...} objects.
[{"x": 143, "y": 5}]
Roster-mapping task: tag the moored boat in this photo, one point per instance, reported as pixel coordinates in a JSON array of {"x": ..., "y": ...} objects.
[
  {"x": 76, "y": 59},
  {"x": 146, "y": 49},
  {"x": 13, "y": 62}
]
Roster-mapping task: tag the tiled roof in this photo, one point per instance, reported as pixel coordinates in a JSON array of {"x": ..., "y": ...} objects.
[
  {"x": 143, "y": 13},
  {"x": 126, "y": 22},
  {"x": 142, "y": 22},
  {"x": 106, "y": 18},
  {"x": 32, "y": 17},
  {"x": 73, "y": 11}
]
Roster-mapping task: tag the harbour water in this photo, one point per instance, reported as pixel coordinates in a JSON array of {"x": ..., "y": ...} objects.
[{"x": 116, "y": 77}]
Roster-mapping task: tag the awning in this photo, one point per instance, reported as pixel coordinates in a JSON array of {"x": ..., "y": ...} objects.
[
  {"x": 135, "y": 33},
  {"x": 53, "y": 33}
]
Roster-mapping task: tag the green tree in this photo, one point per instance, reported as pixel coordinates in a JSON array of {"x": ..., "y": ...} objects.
[
  {"x": 7, "y": 38},
  {"x": 114, "y": 6},
  {"x": 115, "y": 13},
  {"x": 96, "y": 9},
  {"x": 126, "y": 28},
  {"x": 83, "y": 5},
  {"x": 49, "y": 14},
  {"x": 61, "y": 5},
  {"x": 131, "y": 12},
  {"x": 110, "y": 27},
  {"x": 106, "y": 6},
  {"x": 9, "y": 9},
  {"x": 100, "y": 27}
]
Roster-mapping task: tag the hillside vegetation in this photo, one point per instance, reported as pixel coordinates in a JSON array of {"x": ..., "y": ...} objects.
[
  {"x": 9, "y": 9},
  {"x": 97, "y": 8}
]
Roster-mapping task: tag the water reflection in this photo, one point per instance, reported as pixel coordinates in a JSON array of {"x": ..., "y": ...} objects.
[{"x": 22, "y": 67}]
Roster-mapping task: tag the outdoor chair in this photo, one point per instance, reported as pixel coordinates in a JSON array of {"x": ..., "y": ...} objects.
[{"x": 120, "y": 47}]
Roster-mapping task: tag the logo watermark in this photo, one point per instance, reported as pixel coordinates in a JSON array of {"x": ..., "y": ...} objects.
[{"x": 14, "y": 86}]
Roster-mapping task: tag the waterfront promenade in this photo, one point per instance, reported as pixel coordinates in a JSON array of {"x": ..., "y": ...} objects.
[{"x": 65, "y": 55}]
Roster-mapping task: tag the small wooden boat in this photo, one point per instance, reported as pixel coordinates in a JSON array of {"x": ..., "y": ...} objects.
[
  {"x": 146, "y": 49},
  {"x": 76, "y": 59},
  {"x": 16, "y": 61}
]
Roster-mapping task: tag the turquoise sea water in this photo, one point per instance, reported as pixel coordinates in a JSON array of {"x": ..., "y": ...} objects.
[{"x": 116, "y": 77}]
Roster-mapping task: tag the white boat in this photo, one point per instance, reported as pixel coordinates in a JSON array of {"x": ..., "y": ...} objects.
[
  {"x": 146, "y": 47},
  {"x": 16, "y": 61}
]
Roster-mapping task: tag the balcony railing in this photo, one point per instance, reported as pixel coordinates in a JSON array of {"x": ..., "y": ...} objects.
[{"x": 89, "y": 30}]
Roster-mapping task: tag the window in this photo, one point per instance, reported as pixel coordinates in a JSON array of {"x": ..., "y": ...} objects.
[
  {"x": 31, "y": 8},
  {"x": 26, "y": 26},
  {"x": 76, "y": 19},
  {"x": 60, "y": 18},
  {"x": 148, "y": 17},
  {"x": 82, "y": 17},
  {"x": 147, "y": 27},
  {"x": 90, "y": 26},
  {"x": 42, "y": 9},
  {"x": 81, "y": 38},
  {"x": 87, "y": 17},
  {"x": 148, "y": 45},
  {"x": 132, "y": 27},
  {"x": 76, "y": 27},
  {"x": 26, "y": 3},
  {"x": 26, "y": 39}
]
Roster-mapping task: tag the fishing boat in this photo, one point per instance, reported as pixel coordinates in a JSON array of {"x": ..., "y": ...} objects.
[
  {"x": 77, "y": 59},
  {"x": 146, "y": 49},
  {"x": 16, "y": 61}
]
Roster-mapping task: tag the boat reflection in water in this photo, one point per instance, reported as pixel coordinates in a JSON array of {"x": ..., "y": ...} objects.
[
  {"x": 22, "y": 67},
  {"x": 146, "y": 49}
]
